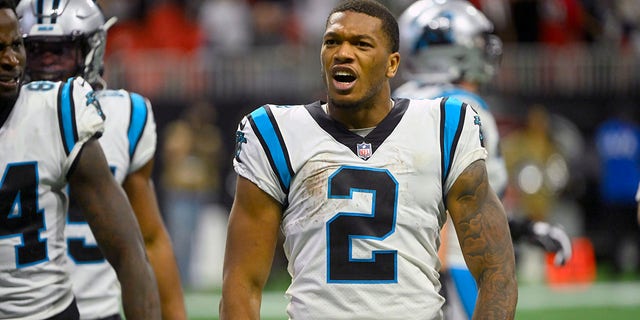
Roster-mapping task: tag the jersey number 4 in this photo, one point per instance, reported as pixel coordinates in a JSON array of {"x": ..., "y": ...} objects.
[
  {"x": 20, "y": 215},
  {"x": 346, "y": 227}
]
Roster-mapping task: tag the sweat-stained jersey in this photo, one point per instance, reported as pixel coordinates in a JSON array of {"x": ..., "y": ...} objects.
[
  {"x": 129, "y": 142},
  {"x": 39, "y": 144},
  {"x": 462, "y": 293},
  {"x": 361, "y": 216}
]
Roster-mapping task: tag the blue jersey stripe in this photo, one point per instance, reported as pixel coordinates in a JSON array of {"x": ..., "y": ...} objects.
[
  {"x": 452, "y": 118},
  {"x": 67, "y": 116},
  {"x": 274, "y": 145},
  {"x": 138, "y": 121}
]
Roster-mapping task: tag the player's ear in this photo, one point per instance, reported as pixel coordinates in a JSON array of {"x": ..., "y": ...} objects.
[{"x": 393, "y": 63}]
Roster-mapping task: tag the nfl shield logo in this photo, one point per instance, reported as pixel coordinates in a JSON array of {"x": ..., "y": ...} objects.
[{"x": 364, "y": 150}]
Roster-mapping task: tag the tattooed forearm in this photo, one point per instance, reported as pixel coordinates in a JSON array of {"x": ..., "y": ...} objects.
[{"x": 483, "y": 232}]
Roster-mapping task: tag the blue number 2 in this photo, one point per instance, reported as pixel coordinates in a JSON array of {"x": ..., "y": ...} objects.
[{"x": 344, "y": 227}]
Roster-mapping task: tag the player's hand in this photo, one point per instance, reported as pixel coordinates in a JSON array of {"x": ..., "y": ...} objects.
[{"x": 552, "y": 239}]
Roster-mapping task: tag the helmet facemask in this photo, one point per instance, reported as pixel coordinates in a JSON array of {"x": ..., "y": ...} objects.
[
  {"x": 54, "y": 58},
  {"x": 94, "y": 57}
]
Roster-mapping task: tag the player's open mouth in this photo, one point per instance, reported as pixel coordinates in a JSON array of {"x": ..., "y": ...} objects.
[
  {"x": 9, "y": 81},
  {"x": 344, "y": 79}
]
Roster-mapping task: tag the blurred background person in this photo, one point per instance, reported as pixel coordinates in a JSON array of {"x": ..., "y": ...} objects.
[
  {"x": 540, "y": 154},
  {"x": 617, "y": 141},
  {"x": 190, "y": 177},
  {"x": 450, "y": 50},
  {"x": 274, "y": 23},
  {"x": 62, "y": 43},
  {"x": 530, "y": 153},
  {"x": 224, "y": 23}
]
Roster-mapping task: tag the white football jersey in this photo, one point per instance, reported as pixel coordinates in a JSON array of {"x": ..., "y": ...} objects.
[
  {"x": 39, "y": 143},
  {"x": 496, "y": 169},
  {"x": 129, "y": 142},
  {"x": 361, "y": 215}
]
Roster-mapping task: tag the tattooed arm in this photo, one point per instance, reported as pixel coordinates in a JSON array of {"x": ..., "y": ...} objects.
[{"x": 481, "y": 224}]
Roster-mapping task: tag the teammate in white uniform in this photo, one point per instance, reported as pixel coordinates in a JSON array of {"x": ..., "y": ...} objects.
[
  {"x": 48, "y": 139},
  {"x": 95, "y": 285},
  {"x": 359, "y": 187},
  {"x": 450, "y": 52},
  {"x": 61, "y": 43}
]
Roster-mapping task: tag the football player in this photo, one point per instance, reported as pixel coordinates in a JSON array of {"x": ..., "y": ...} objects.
[
  {"x": 450, "y": 51},
  {"x": 360, "y": 185},
  {"x": 67, "y": 38},
  {"x": 48, "y": 139}
]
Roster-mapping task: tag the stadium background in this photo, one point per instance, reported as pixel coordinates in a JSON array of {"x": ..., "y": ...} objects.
[{"x": 162, "y": 49}]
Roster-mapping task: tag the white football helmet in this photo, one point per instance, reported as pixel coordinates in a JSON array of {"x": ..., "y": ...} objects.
[
  {"x": 60, "y": 25},
  {"x": 448, "y": 41}
]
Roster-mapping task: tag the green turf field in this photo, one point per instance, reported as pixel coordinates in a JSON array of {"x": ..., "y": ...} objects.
[{"x": 602, "y": 300}]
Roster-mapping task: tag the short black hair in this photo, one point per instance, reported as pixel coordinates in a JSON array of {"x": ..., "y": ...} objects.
[
  {"x": 377, "y": 10},
  {"x": 8, "y": 4}
]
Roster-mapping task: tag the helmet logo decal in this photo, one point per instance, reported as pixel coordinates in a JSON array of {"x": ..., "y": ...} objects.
[{"x": 437, "y": 31}]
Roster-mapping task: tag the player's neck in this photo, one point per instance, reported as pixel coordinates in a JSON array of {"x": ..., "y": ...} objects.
[{"x": 365, "y": 115}]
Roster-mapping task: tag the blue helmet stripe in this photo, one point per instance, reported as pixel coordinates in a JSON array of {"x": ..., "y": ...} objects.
[
  {"x": 39, "y": 11},
  {"x": 56, "y": 4}
]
